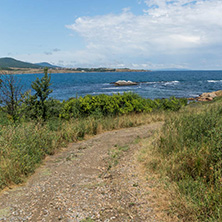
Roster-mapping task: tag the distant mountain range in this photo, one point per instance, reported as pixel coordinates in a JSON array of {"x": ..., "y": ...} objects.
[
  {"x": 46, "y": 64},
  {"x": 13, "y": 63},
  {"x": 13, "y": 66}
]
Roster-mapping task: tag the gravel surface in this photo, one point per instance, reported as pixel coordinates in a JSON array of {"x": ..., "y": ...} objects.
[{"x": 81, "y": 183}]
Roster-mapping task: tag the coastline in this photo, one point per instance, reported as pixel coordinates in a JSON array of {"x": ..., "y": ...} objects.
[
  {"x": 150, "y": 84},
  {"x": 61, "y": 71}
]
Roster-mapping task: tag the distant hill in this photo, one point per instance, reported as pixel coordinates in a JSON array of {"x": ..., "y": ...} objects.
[
  {"x": 13, "y": 63},
  {"x": 16, "y": 67},
  {"x": 46, "y": 64}
]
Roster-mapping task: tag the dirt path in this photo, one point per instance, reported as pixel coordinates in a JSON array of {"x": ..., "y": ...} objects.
[{"x": 95, "y": 178}]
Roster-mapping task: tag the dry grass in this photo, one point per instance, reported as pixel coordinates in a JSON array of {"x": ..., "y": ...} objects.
[
  {"x": 23, "y": 147},
  {"x": 168, "y": 203}
]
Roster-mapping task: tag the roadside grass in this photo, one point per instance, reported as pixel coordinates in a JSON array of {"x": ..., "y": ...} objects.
[
  {"x": 187, "y": 157},
  {"x": 24, "y": 146}
]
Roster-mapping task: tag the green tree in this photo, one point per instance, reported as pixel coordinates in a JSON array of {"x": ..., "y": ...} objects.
[{"x": 42, "y": 92}]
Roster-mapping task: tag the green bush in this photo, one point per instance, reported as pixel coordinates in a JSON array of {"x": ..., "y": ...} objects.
[
  {"x": 97, "y": 106},
  {"x": 31, "y": 108},
  {"x": 117, "y": 104}
]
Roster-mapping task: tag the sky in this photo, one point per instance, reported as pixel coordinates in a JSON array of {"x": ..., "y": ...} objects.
[{"x": 147, "y": 34}]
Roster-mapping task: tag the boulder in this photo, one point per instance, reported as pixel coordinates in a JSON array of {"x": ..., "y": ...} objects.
[
  {"x": 125, "y": 83},
  {"x": 204, "y": 99},
  {"x": 218, "y": 93},
  {"x": 209, "y": 96}
]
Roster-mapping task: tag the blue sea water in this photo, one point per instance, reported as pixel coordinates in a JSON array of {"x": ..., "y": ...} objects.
[{"x": 155, "y": 84}]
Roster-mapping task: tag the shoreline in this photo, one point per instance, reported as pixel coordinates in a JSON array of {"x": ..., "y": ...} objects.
[{"x": 62, "y": 71}]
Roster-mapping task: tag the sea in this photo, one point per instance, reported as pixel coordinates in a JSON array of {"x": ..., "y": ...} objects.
[{"x": 154, "y": 84}]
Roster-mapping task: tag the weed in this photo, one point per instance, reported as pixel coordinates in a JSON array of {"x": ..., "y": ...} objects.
[
  {"x": 131, "y": 204},
  {"x": 137, "y": 140},
  {"x": 115, "y": 155},
  {"x": 88, "y": 219},
  {"x": 188, "y": 152},
  {"x": 124, "y": 148}
]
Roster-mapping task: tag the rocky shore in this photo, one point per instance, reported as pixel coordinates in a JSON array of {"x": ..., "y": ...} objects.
[{"x": 209, "y": 96}]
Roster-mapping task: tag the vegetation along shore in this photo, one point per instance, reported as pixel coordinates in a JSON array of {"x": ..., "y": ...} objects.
[
  {"x": 13, "y": 66},
  {"x": 185, "y": 155}
]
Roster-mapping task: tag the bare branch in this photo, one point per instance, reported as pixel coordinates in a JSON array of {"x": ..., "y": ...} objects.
[{"x": 10, "y": 94}]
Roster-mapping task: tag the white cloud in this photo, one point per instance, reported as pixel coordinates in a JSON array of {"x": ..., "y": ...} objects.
[
  {"x": 179, "y": 29},
  {"x": 168, "y": 33}
]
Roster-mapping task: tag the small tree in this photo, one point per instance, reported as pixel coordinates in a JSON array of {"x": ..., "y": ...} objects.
[
  {"x": 10, "y": 95},
  {"x": 41, "y": 87}
]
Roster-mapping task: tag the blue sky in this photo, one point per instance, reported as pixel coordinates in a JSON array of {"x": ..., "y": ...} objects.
[{"x": 150, "y": 34}]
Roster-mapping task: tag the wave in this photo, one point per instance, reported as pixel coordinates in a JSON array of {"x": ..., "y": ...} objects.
[
  {"x": 214, "y": 81},
  {"x": 111, "y": 88},
  {"x": 148, "y": 82},
  {"x": 194, "y": 95},
  {"x": 141, "y": 83},
  {"x": 171, "y": 83},
  {"x": 162, "y": 82}
]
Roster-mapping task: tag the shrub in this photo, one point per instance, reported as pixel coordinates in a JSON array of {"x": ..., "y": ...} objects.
[{"x": 117, "y": 104}]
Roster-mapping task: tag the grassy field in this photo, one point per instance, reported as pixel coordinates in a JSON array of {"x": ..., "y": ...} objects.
[
  {"x": 23, "y": 147},
  {"x": 187, "y": 156}
]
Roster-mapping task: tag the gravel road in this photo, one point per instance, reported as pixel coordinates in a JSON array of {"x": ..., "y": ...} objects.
[{"x": 82, "y": 183}]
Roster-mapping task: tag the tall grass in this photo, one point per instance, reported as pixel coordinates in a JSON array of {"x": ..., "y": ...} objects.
[
  {"x": 23, "y": 147},
  {"x": 189, "y": 153}
]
